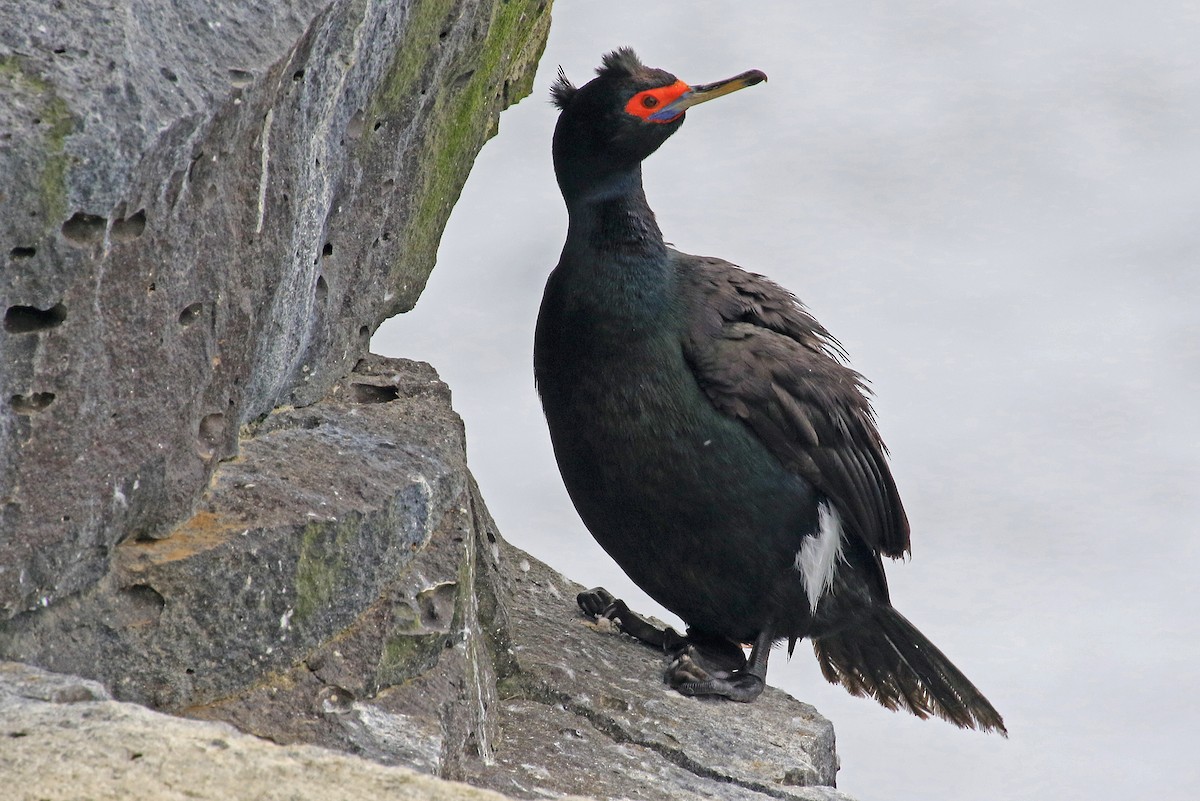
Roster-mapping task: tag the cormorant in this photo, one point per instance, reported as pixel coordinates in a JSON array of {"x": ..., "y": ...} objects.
[{"x": 711, "y": 435}]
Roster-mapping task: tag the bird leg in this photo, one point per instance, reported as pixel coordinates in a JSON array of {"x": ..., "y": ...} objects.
[
  {"x": 692, "y": 673},
  {"x": 700, "y": 664},
  {"x": 599, "y": 602}
]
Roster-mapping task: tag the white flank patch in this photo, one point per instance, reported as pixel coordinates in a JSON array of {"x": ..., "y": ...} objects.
[{"x": 818, "y": 556}]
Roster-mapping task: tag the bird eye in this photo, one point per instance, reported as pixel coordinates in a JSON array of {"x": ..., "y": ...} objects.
[{"x": 649, "y": 102}]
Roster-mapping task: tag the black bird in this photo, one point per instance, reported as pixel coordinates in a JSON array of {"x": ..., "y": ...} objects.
[{"x": 711, "y": 435}]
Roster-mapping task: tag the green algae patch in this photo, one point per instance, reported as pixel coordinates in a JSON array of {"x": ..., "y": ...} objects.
[
  {"x": 321, "y": 569},
  {"x": 34, "y": 104},
  {"x": 481, "y": 81},
  {"x": 406, "y": 656}
]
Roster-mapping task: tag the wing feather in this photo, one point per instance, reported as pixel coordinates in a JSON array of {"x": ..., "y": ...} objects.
[{"x": 762, "y": 358}]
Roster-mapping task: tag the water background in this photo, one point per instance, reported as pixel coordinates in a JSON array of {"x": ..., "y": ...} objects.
[{"x": 996, "y": 207}]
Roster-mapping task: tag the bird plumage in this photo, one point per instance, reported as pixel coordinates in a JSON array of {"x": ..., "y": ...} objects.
[{"x": 710, "y": 432}]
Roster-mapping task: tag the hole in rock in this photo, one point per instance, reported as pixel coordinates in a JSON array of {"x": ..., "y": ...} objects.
[
  {"x": 209, "y": 435},
  {"x": 327, "y": 250},
  {"x": 195, "y": 166},
  {"x": 240, "y": 78},
  {"x": 29, "y": 319},
  {"x": 354, "y": 129},
  {"x": 334, "y": 700},
  {"x": 437, "y": 604},
  {"x": 373, "y": 393},
  {"x": 322, "y": 287},
  {"x": 169, "y": 74},
  {"x": 190, "y": 313},
  {"x": 143, "y": 605},
  {"x": 32, "y": 403},
  {"x": 129, "y": 228},
  {"x": 84, "y": 229},
  {"x": 22, "y": 253},
  {"x": 298, "y": 75}
]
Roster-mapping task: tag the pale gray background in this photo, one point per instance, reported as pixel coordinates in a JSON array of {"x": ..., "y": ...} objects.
[{"x": 996, "y": 207}]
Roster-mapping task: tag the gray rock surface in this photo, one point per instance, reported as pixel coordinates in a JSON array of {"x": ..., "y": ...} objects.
[
  {"x": 584, "y": 710},
  {"x": 317, "y": 519},
  {"x": 206, "y": 208},
  {"x": 342, "y": 585},
  {"x": 65, "y": 739}
]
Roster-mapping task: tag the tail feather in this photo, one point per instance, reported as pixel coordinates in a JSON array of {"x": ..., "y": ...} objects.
[{"x": 888, "y": 659}]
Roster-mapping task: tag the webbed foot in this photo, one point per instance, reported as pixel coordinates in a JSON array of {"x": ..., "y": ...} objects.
[
  {"x": 689, "y": 674},
  {"x": 701, "y": 664}
]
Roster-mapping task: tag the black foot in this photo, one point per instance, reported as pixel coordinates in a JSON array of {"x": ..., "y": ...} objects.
[
  {"x": 692, "y": 674},
  {"x": 595, "y": 602},
  {"x": 599, "y": 602},
  {"x": 701, "y": 664}
]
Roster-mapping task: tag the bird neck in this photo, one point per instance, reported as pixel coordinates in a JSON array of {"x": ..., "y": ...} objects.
[
  {"x": 613, "y": 219},
  {"x": 615, "y": 274}
]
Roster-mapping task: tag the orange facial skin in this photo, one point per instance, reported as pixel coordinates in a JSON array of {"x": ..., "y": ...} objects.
[{"x": 646, "y": 103}]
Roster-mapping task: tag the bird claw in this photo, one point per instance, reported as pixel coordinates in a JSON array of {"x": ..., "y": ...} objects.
[
  {"x": 706, "y": 666},
  {"x": 598, "y": 602},
  {"x": 688, "y": 676}
]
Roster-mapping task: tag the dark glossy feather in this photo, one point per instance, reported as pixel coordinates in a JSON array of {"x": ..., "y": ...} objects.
[
  {"x": 761, "y": 357},
  {"x": 894, "y": 663},
  {"x": 562, "y": 91},
  {"x": 705, "y": 423}
]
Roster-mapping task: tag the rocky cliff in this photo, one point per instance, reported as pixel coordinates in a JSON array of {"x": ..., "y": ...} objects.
[
  {"x": 207, "y": 209},
  {"x": 214, "y": 501}
]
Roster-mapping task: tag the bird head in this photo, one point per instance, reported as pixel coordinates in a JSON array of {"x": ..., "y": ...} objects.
[{"x": 610, "y": 124}]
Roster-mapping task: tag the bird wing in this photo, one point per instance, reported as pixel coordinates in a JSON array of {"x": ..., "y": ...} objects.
[{"x": 760, "y": 357}]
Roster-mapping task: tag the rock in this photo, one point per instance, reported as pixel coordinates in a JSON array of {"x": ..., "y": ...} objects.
[
  {"x": 584, "y": 710},
  {"x": 328, "y": 510},
  {"x": 216, "y": 503},
  {"x": 343, "y": 585},
  {"x": 205, "y": 210},
  {"x": 65, "y": 739}
]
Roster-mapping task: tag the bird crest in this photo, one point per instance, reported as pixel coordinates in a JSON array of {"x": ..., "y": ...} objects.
[
  {"x": 562, "y": 91},
  {"x": 622, "y": 62}
]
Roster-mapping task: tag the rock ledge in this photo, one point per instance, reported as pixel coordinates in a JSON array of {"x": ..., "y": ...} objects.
[{"x": 342, "y": 585}]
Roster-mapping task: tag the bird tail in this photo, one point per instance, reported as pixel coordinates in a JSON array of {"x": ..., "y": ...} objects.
[{"x": 888, "y": 659}]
